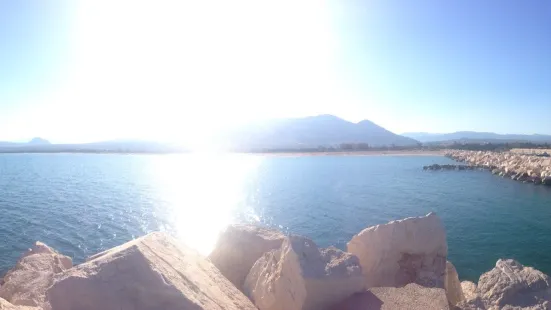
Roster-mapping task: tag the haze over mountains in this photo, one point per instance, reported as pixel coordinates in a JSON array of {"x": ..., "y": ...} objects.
[
  {"x": 284, "y": 134},
  {"x": 476, "y": 137},
  {"x": 310, "y": 132}
]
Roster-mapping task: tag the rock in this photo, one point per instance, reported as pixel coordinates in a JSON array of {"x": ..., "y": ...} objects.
[
  {"x": 469, "y": 290},
  {"x": 5, "y": 305},
  {"x": 522, "y": 176},
  {"x": 27, "y": 282},
  {"x": 513, "y": 285},
  {"x": 301, "y": 276},
  {"x": 239, "y": 247},
  {"x": 546, "y": 181},
  {"x": 454, "y": 293},
  {"x": 411, "y": 297},
  {"x": 151, "y": 272},
  {"x": 517, "y": 164},
  {"x": 412, "y": 250},
  {"x": 472, "y": 300}
]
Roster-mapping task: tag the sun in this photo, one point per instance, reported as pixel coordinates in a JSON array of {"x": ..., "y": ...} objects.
[{"x": 185, "y": 70}]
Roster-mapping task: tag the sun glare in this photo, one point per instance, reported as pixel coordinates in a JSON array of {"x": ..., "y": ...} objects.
[
  {"x": 184, "y": 70},
  {"x": 203, "y": 193}
]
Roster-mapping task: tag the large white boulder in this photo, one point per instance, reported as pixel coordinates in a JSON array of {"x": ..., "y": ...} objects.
[
  {"x": 300, "y": 276},
  {"x": 152, "y": 272},
  {"x": 27, "y": 282},
  {"x": 410, "y": 297},
  {"x": 239, "y": 247},
  {"x": 412, "y": 250},
  {"x": 454, "y": 292},
  {"x": 510, "y": 284}
]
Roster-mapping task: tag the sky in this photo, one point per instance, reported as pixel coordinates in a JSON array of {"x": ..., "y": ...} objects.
[{"x": 91, "y": 70}]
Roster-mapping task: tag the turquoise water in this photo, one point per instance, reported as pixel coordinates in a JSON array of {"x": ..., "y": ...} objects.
[{"x": 82, "y": 204}]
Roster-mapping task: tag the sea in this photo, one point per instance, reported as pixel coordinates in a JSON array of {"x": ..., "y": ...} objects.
[{"x": 81, "y": 204}]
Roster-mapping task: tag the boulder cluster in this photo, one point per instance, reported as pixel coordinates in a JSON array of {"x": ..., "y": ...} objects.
[
  {"x": 514, "y": 164},
  {"x": 399, "y": 265}
]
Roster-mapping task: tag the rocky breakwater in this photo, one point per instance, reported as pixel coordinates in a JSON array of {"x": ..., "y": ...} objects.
[
  {"x": 399, "y": 265},
  {"x": 519, "y": 167}
]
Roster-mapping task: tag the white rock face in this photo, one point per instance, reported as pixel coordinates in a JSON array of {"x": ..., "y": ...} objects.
[
  {"x": 299, "y": 276},
  {"x": 412, "y": 250},
  {"x": 454, "y": 293},
  {"x": 27, "y": 282},
  {"x": 5, "y": 305},
  {"x": 511, "y": 285},
  {"x": 239, "y": 247},
  {"x": 152, "y": 272},
  {"x": 410, "y": 297}
]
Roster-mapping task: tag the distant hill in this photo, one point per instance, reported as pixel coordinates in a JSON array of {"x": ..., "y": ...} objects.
[
  {"x": 476, "y": 137},
  {"x": 39, "y": 141},
  {"x": 310, "y": 132},
  {"x": 114, "y": 146}
]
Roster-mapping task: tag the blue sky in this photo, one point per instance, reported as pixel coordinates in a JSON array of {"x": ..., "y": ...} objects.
[{"x": 76, "y": 71}]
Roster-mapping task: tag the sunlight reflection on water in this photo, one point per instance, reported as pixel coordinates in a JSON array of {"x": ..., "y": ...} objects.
[{"x": 202, "y": 193}]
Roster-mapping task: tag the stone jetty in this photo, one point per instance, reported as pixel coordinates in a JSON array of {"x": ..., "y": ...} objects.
[
  {"x": 402, "y": 264},
  {"x": 519, "y": 166}
]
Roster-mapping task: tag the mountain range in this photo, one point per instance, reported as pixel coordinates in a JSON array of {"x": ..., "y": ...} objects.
[
  {"x": 476, "y": 137},
  {"x": 309, "y": 132},
  {"x": 285, "y": 134},
  {"x": 289, "y": 133}
]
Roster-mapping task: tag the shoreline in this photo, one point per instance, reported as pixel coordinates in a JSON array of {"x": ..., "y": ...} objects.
[
  {"x": 286, "y": 154},
  {"x": 358, "y": 153}
]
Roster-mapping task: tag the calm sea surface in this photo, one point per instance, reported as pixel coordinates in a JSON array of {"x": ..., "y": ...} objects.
[{"x": 83, "y": 204}]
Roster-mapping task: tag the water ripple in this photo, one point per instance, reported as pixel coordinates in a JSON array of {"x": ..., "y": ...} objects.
[{"x": 84, "y": 204}]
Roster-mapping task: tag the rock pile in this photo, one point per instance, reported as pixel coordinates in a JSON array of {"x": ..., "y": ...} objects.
[
  {"x": 519, "y": 167},
  {"x": 399, "y": 265}
]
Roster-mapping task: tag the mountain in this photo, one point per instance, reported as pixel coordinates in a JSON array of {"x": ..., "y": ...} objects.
[
  {"x": 39, "y": 141},
  {"x": 114, "y": 146},
  {"x": 473, "y": 136},
  {"x": 309, "y": 132}
]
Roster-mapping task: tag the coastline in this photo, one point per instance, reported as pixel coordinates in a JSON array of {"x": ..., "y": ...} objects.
[
  {"x": 358, "y": 153},
  {"x": 285, "y": 154}
]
